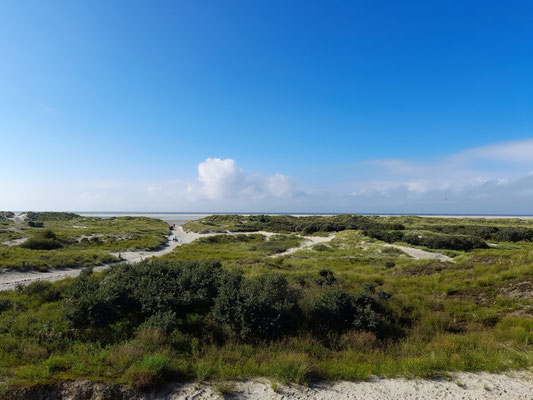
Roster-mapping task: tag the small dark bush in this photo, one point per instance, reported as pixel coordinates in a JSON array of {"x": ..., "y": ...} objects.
[
  {"x": 386, "y": 236},
  {"x": 35, "y": 224},
  {"x": 42, "y": 244},
  {"x": 6, "y": 304},
  {"x": 326, "y": 277},
  {"x": 45, "y": 240},
  {"x": 320, "y": 247}
]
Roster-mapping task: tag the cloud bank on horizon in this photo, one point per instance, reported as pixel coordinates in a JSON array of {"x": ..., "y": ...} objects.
[{"x": 493, "y": 179}]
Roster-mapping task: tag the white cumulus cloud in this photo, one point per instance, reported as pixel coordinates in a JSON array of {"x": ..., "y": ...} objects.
[{"x": 223, "y": 179}]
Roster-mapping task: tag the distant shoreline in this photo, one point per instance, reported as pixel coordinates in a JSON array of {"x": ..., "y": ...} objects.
[
  {"x": 181, "y": 218},
  {"x": 204, "y": 214},
  {"x": 166, "y": 215}
]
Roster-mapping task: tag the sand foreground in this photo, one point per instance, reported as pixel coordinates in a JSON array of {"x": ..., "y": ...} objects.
[{"x": 464, "y": 386}]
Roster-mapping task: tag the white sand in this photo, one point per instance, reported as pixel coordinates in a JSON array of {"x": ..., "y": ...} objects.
[
  {"x": 464, "y": 386},
  {"x": 419, "y": 254},
  {"x": 15, "y": 242}
]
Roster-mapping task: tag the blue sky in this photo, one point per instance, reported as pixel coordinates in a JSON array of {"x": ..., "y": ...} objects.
[{"x": 371, "y": 106}]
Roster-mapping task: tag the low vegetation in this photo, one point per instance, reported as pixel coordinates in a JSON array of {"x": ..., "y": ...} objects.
[
  {"x": 55, "y": 240},
  {"x": 230, "y": 306}
]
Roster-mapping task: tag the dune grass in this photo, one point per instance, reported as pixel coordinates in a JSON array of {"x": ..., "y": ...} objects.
[
  {"x": 473, "y": 314},
  {"x": 84, "y": 241}
]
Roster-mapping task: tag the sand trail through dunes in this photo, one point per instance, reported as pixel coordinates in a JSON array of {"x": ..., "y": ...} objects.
[
  {"x": 15, "y": 242},
  {"x": 10, "y": 278},
  {"x": 421, "y": 254}
]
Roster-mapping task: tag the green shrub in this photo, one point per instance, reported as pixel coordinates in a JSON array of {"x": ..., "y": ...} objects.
[
  {"x": 35, "y": 224},
  {"x": 157, "y": 293},
  {"x": 386, "y": 236},
  {"x": 326, "y": 277},
  {"x": 44, "y": 290},
  {"x": 6, "y": 304},
  {"x": 502, "y": 234},
  {"x": 320, "y": 247},
  {"x": 450, "y": 242},
  {"x": 51, "y": 216},
  {"x": 164, "y": 321},
  {"x": 432, "y": 241},
  {"x": 36, "y": 243},
  {"x": 261, "y": 308},
  {"x": 45, "y": 240},
  {"x": 335, "y": 311}
]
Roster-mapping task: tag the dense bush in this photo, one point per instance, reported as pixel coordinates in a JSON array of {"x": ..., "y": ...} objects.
[
  {"x": 386, "y": 236},
  {"x": 335, "y": 311},
  {"x": 432, "y": 241},
  {"x": 513, "y": 235},
  {"x": 261, "y": 308},
  {"x": 326, "y": 277},
  {"x": 46, "y": 240},
  {"x": 190, "y": 296},
  {"x": 51, "y": 216},
  {"x": 6, "y": 304},
  {"x": 306, "y": 225},
  {"x": 151, "y": 292},
  {"x": 35, "y": 224},
  {"x": 502, "y": 234},
  {"x": 43, "y": 290},
  {"x": 450, "y": 242}
]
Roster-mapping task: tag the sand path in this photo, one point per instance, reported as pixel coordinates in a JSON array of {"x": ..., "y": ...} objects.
[
  {"x": 421, "y": 254},
  {"x": 9, "y": 278},
  {"x": 15, "y": 242}
]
